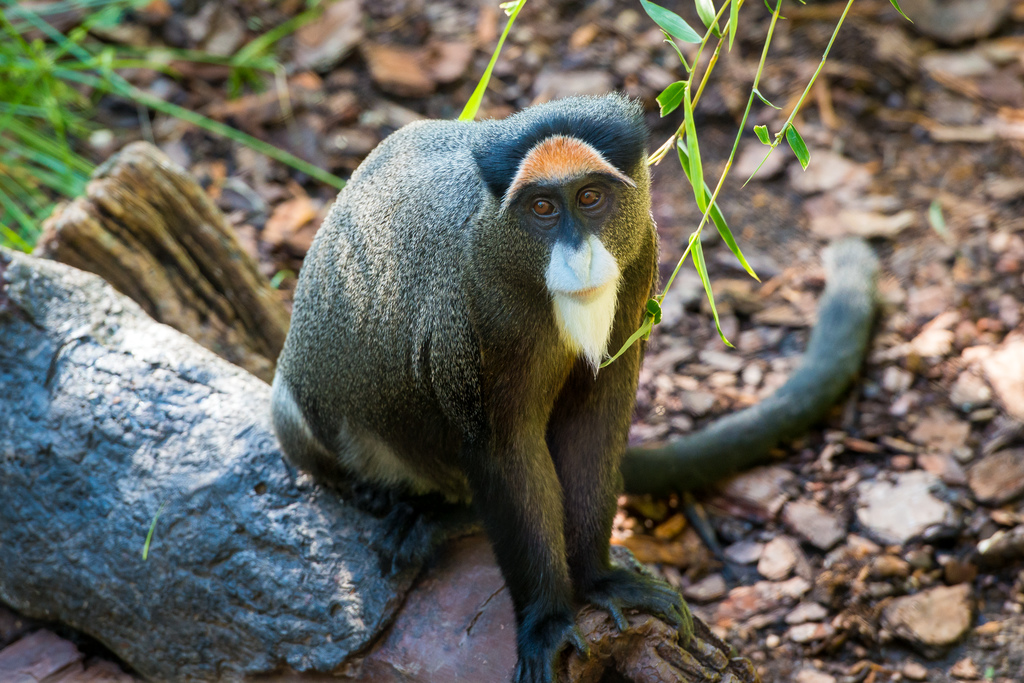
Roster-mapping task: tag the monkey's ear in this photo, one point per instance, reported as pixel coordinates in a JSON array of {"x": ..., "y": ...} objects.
[{"x": 558, "y": 159}]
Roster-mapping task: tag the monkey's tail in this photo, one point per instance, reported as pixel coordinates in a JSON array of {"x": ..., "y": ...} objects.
[{"x": 839, "y": 342}]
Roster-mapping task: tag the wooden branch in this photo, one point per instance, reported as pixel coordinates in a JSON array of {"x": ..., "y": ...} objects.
[
  {"x": 149, "y": 229},
  {"x": 110, "y": 418}
]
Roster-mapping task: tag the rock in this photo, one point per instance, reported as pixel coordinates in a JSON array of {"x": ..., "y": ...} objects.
[
  {"x": 399, "y": 70},
  {"x": 759, "y": 493},
  {"x": 889, "y": 567},
  {"x": 941, "y": 431},
  {"x": 553, "y": 85},
  {"x": 697, "y": 403},
  {"x": 814, "y": 676},
  {"x": 969, "y": 392},
  {"x": 998, "y": 478},
  {"x": 931, "y": 620},
  {"x": 814, "y": 523},
  {"x": 1004, "y": 370},
  {"x": 809, "y": 632},
  {"x": 779, "y": 558},
  {"x": 895, "y": 512},
  {"x": 806, "y": 611},
  {"x": 743, "y": 552},
  {"x": 37, "y": 657},
  {"x": 896, "y": 380},
  {"x": 945, "y": 467},
  {"x": 965, "y": 669},
  {"x": 957, "y": 21},
  {"x": 711, "y": 587},
  {"x": 915, "y": 671},
  {"x": 324, "y": 43},
  {"x": 744, "y": 602}
]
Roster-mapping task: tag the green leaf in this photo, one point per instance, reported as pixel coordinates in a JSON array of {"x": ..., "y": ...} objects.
[
  {"x": 473, "y": 105},
  {"x": 717, "y": 218},
  {"x": 643, "y": 332},
  {"x": 706, "y": 12},
  {"x": 654, "y": 310},
  {"x": 799, "y": 147},
  {"x": 764, "y": 99},
  {"x": 702, "y": 271},
  {"x": 679, "y": 53},
  {"x": 671, "y": 97},
  {"x": 900, "y": 10},
  {"x": 696, "y": 174},
  {"x": 152, "y": 528},
  {"x": 938, "y": 221},
  {"x": 734, "y": 20},
  {"x": 762, "y": 134},
  {"x": 671, "y": 22}
]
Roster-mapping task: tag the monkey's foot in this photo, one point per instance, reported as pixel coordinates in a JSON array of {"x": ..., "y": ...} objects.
[
  {"x": 413, "y": 530},
  {"x": 541, "y": 642},
  {"x": 622, "y": 589}
]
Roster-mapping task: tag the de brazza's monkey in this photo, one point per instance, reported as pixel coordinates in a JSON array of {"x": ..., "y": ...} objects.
[{"x": 448, "y": 326}]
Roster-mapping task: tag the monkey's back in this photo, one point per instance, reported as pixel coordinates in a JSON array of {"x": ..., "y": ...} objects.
[{"x": 378, "y": 302}]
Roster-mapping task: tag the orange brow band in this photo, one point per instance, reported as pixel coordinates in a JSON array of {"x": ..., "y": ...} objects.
[{"x": 559, "y": 158}]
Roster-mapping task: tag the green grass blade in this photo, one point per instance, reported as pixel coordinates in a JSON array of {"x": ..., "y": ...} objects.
[
  {"x": 28, "y": 224},
  {"x": 469, "y": 112},
  {"x": 11, "y": 239},
  {"x": 644, "y": 331},
  {"x": 702, "y": 271},
  {"x": 900, "y": 10},
  {"x": 671, "y": 22},
  {"x": 152, "y": 528}
]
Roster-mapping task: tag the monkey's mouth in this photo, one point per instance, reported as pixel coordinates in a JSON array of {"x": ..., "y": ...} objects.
[{"x": 586, "y": 294}]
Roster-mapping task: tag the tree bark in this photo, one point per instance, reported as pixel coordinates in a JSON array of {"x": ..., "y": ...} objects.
[
  {"x": 109, "y": 419},
  {"x": 148, "y": 228}
]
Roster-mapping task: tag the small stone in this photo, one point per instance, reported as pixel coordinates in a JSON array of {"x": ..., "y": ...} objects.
[
  {"x": 919, "y": 558},
  {"x": 806, "y": 611},
  {"x": 915, "y": 671},
  {"x": 965, "y": 669},
  {"x": 956, "y": 21},
  {"x": 720, "y": 360},
  {"x": 956, "y": 571},
  {"x": 896, "y": 380},
  {"x": 944, "y": 467},
  {"x": 893, "y": 513},
  {"x": 697, "y": 403},
  {"x": 743, "y": 552},
  {"x": 1004, "y": 370},
  {"x": 779, "y": 558},
  {"x": 399, "y": 70},
  {"x": 711, "y": 587},
  {"x": 932, "y": 619},
  {"x": 671, "y": 527},
  {"x": 998, "y": 478},
  {"x": 772, "y": 641},
  {"x": 941, "y": 431},
  {"x": 969, "y": 392},
  {"x": 323, "y": 43},
  {"x": 744, "y": 602},
  {"x": 889, "y": 566},
  {"x": 553, "y": 85},
  {"x": 759, "y": 493},
  {"x": 809, "y": 632},
  {"x": 814, "y": 676},
  {"x": 752, "y": 375},
  {"x": 814, "y": 523},
  {"x": 901, "y": 463}
]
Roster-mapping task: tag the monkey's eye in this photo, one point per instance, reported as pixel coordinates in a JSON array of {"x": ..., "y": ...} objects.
[
  {"x": 589, "y": 199},
  {"x": 543, "y": 207}
]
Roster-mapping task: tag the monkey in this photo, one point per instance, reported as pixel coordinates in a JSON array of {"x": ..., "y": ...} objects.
[{"x": 449, "y": 323}]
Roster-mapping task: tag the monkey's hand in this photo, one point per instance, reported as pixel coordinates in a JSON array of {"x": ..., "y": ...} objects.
[
  {"x": 542, "y": 640},
  {"x": 621, "y": 589}
]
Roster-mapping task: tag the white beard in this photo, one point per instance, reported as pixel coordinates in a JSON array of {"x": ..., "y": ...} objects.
[{"x": 584, "y": 317}]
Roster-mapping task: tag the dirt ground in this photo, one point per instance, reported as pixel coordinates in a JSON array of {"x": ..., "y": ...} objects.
[{"x": 888, "y": 543}]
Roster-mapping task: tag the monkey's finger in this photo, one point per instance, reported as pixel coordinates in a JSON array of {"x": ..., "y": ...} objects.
[
  {"x": 617, "y": 616},
  {"x": 579, "y": 643}
]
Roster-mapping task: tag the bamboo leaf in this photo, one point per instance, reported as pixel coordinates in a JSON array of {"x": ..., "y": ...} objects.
[
  {"x": 702, "y": 271},
  {"x": 679, "y": 53},
  {"x": 734, "y": 21},
  {"x": 644, "y": 331},
  {"x": 762, "y": 134},
  {"x": 764, "y": 99},
  {"x": 696, "y": 174},
  {"x": 799, "y": 147},
  {"x": 671, "y": 22},
  {"x": 900, "y": 10},
  {"x": 706, "y": 12},
  {"x": 671, "y": 97}
]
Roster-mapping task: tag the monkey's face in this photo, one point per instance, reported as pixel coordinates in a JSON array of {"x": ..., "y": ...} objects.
[{"x": 569, "y": 199}]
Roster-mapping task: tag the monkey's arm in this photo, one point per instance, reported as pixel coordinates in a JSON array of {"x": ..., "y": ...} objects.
[{"x": 833, "y": 359}]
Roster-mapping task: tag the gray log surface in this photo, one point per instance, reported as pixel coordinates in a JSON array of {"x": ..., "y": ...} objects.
[{"x": 105, "y": 415}]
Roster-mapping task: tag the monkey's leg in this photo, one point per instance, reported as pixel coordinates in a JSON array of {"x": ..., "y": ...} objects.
[
  {"x": 516, "y": 491},
  {"x": 587, "y": 434}
]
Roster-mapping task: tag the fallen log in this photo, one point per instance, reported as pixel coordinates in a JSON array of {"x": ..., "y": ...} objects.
[{"x": 109, "y": 419}]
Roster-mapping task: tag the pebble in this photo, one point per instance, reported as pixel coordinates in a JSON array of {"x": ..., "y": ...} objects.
[
  {"x": 932, "y": 619},
  {"x": 809, "y": 632},
  {"x": 1004, "y": 370},
  {"x": 998, "y": 478},
  {"x": 896, "y": 380},
  {"x": 743, "y": 552},
  {"x": 779, "y": 558},
  {"x": 965, "y": 669},
  {"x": 969, "y": 392},
  {"x": 806, "y": 611},
  {"x": 915, "y": 671},
  {"x": 945, "y": 467},
  {"x": 744, "y": 602},
  {"x": 760, "y": 493},
  {"x": 895, "y": 512},
  {"x": 814, "y": 676},
  {"x": 711, "y": 587},
  {"x": 814, "y": 523}
]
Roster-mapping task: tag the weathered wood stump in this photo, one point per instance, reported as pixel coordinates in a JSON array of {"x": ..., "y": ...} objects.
[
  {"x": 107, "y": 416},
  {"x": 148, "y": 228}
]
